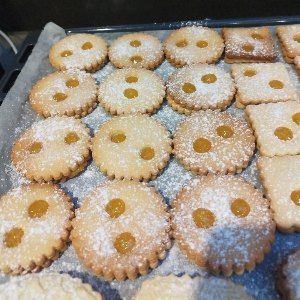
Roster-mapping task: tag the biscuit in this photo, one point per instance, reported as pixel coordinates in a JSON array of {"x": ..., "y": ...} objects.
[
  {"x": 34, "y": 227},
  {"x": 71, "y": 93},
  {"x": 297, "y": 64},
  {"x": 276, "y": 127},
  {"x": 47, "y": 286},
  {"x": 248, "y": 45},
  {"x": 190, "y": 45},
  {"x": 136, "y": 50},
  {"x": 133, "y": 147},
  {"x": 127, "y": 230},
  {"x": 53, "y": 149},
  {"x": 214, "y": 142},
  {"x": 262, "y": 83},
  {"x": 222, "y": 223},
  {"x": 81, "y": 51},
  {"x": 198, "y": 87},
  {"x": 129, "y": 91},
  {"x": 280, "y": 178},
  {"x": 289, "y": 38}
]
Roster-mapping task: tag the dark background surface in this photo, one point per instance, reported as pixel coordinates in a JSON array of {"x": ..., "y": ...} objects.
[{"x": 19, "y": 15}]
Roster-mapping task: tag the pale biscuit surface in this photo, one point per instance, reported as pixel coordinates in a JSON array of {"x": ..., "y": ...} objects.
[{"x": 289, "y": 37}]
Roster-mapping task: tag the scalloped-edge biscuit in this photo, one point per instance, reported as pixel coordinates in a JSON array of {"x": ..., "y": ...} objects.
[
  {"x": 127, "y": 232},
  {"x": 248, "y": 45},
  {"x": 280, "y": 178},
  {"x": 47, "y": 286},
  {"x": 297, "y": 64},
  {"x": 190, "y": 45}
]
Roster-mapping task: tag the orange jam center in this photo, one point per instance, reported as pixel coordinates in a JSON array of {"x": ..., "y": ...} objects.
[
  {"x": 118, "y": 137},
  {"x": 59, "y": 97},
  {"x": 296, "y": 118},
  {"x": 249, "y": 72},
  {"x": 276, "y": 84},
  {"x": 147, "y": 153},
  {"x": 202, "y": 44},
  {"x": 188, "y": 88},
  {"x": 124, "y": 242},
  {"x": 240, "y": 208},
  {"x": 202, "y": 145},
  {"x": 203, "y": 218},
  {"x": 35, "y": 147},
  {"x": 37, "y": 209},
  {"x": 257, "y": 36},
  {"x": 136, "y": 59},
  {"x": 72, "y": 137},
  {"x": 296, "y": 38},
  {"x": 209, "y": 78},
  {"x": 130, "y": 93},
  {"x": 66, "y": 53},
  {"x": 181, "y": 44},
  {"x": 13, "y": 237},
  {"x": 225, "y": 131},
  {"x": 135, "y": 43},
  {"x": 295, "y": 197},
  {"x": 115, "y": 208},
  {"x": 283, "y": 133},
  {"x": 71, "y": 83},
  {"x": 87, "y": 46},
  {"x": 131, "y": 79},
  {"x": 248, "y": 47}
]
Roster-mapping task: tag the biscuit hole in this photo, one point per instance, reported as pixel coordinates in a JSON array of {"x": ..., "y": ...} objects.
[
  {"x": 124, "y": 242},
  {"x": 37, "y": 209},
  {"x": 209, "y": 78},
  {"x": 283, "y": 133},
  {"x": 240, "y": 208},
  {"x": 72, "y": 83},
  {"x": 13, "y": 237},
  {"x": 181, "y": 44},
  {"x": 58, "y": 97},
  {"x": 135, "y": 43},
  {"x": 131, "y": 79},
  {"x": 203, "y": 218},
  {"x": 225, "y": 131},
  {"x": 202, "y": 44},
  {"x": 249, "y": 72},
  {"x": 188, "y": 88},
  {"x": 136, "y": 59},
  {"x": 295, "y": 197},
  {"x": 115, "y": 208},
  {"x": 248, "y": 47},
  {"x": 130, "y": 93},
  {"x": 66, "y": 53},
  {"x": 296, "y": 38},
  {"x": 257, "y": 36},
  {"x": 276, "y": 84},
  {"x": 296, "y": 118},
  {"x": 118, "y": 137},
  {"x": 202, "y": 145},
  {"x": 35, "y": 147},
  {"x": 147, "y": 153},
  {"x": 71, "y": 138},
  {"x": 87, "y": 46}
]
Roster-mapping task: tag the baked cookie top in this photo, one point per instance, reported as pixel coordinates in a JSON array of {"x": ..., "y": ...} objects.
[
  {"x": 289, "y": 36},
  {"x": 137, "y": 50},
  {"x": 71, "y": 93},
  {"x": 34, "y": 225},
  {"x": 131, "y": 90},
  {"x": 190, "y": 45},
  {"x": 51, "y": 149},
  {"x": 47, "y": 286},
  {"x": 213, "y": 141},
  {"x": 280, "y": 178},
  {"x": 201, "y": 86},
  {"x": 131, "y": 147},
  {"x": 127, "y": 229},
  {"x": 276, "y": 127},
  {"x": 222, "y": 223}
]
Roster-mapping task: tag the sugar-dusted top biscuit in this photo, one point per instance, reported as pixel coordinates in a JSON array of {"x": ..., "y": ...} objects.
[
  {"x": 189, "y": 45},
  {"x": 280, "y": 177},
  {"x": 276, "y": 127},
  {"x": 262, "y": 83},
  {"x": 248, "y": 45}
]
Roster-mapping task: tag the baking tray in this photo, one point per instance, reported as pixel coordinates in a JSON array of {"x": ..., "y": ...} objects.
[{"x": 260, "y": 283}]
